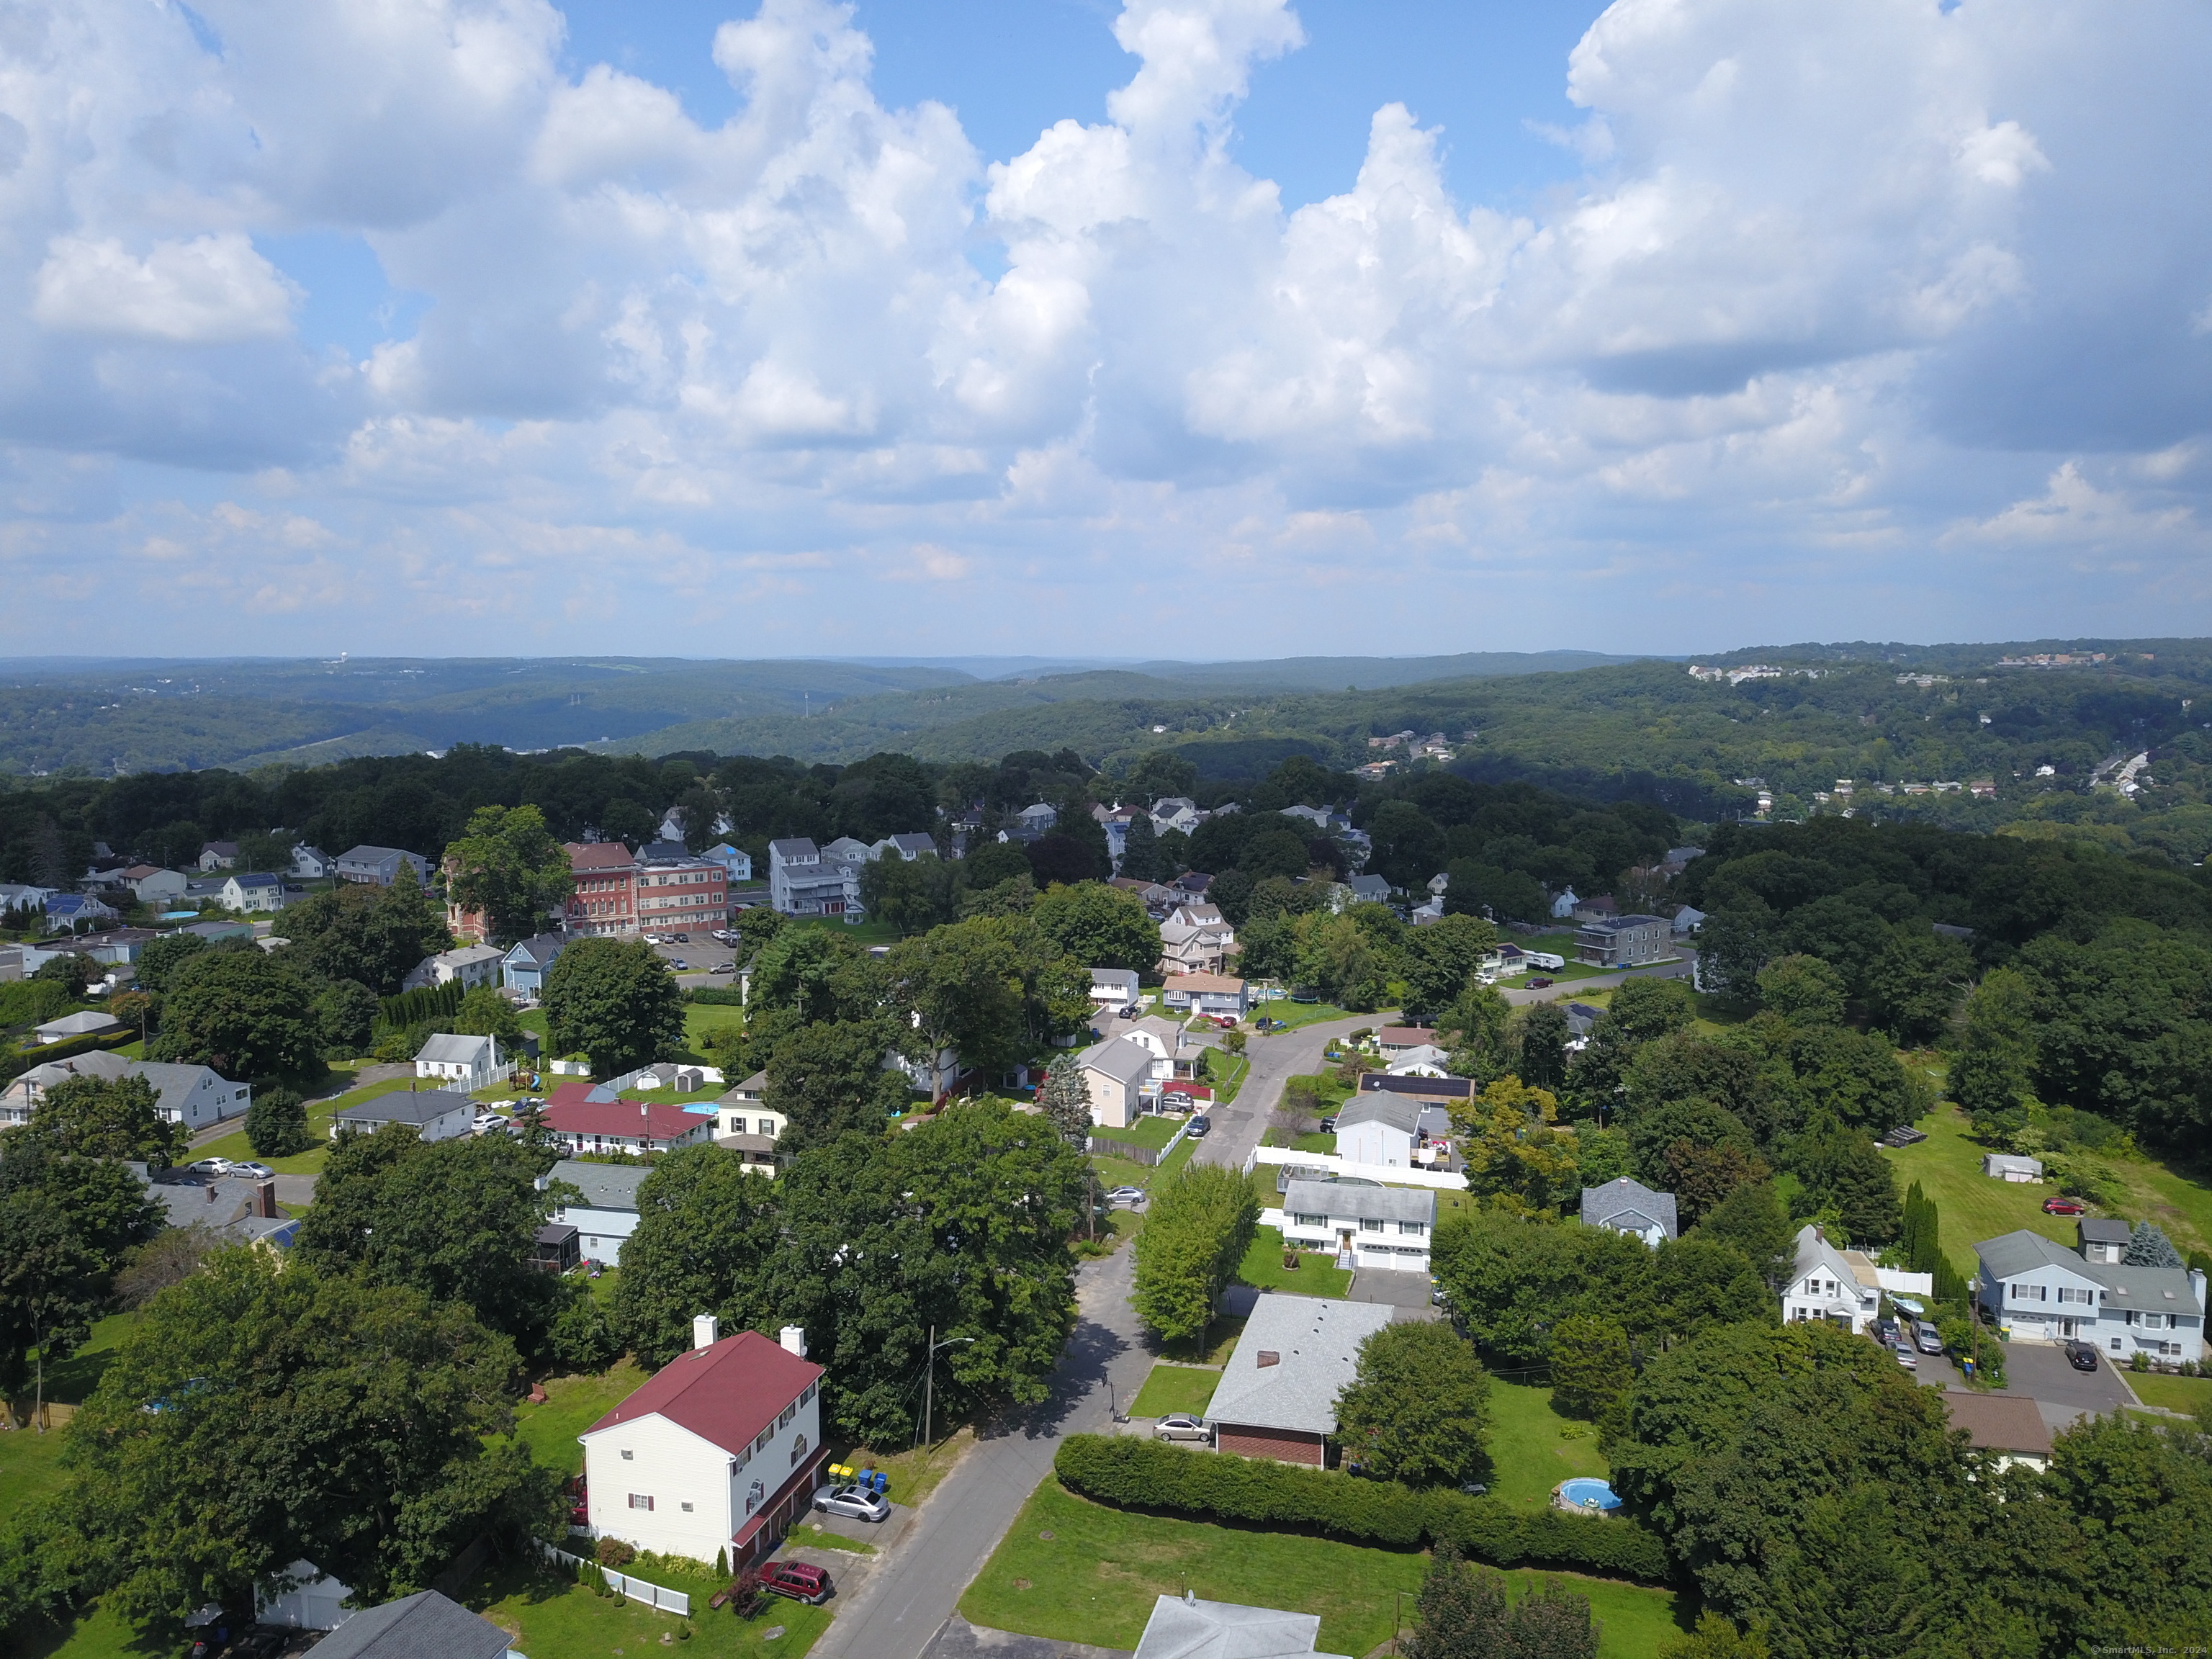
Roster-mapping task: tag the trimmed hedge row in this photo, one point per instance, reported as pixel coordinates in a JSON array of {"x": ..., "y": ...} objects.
[
  {"x": 424, "y": 1002},
  {"x": 719, "y": 996},
  {"x": 1153, "y": 1474},
  {"x": 14, "y": 1065}
]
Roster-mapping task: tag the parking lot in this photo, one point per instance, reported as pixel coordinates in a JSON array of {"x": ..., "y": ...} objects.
[{"x": 700, "y": 954}]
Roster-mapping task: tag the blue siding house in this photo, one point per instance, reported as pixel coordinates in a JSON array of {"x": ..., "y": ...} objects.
[{"x": 523, "y": 968}]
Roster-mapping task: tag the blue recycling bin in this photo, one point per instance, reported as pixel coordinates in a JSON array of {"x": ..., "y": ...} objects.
[{"x": 879, "y": 1481}]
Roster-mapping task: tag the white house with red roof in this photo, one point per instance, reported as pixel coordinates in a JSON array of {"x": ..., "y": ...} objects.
[
  {"x": 721, "y": 1450},
  {"x": 593, "y": 1118}
]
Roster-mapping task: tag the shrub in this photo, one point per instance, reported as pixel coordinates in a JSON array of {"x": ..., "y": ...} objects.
[
  {"x": 1152, "y": 1475},
  {"x": 613, "y": 1552},
  {"x": 276, "y": 1124}
]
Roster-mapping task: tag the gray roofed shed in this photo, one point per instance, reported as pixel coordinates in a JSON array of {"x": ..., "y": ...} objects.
[{"x": 1396, "y": 1111}]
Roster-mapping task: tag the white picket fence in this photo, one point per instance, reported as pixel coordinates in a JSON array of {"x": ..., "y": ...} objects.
[
  {"x": 1392, "y": 1174},
  {"x": 638, "y": 1589}
]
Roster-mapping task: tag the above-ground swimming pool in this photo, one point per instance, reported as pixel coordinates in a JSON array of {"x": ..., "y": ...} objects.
[{"x": 1584, "y": 1493}]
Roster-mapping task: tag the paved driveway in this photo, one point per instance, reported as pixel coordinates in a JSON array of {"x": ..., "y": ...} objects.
[
  {"x": 2039, "y": 1370},
  {"x": 1409, "y": 1293}
]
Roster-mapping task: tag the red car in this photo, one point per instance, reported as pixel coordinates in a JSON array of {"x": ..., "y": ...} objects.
[
  {"x": 1538, "y": 984},
  {"x": 798, "y": 1580},
  {"x": 2064, "y": 1206},
  {"x": 579, "y": 1503}
]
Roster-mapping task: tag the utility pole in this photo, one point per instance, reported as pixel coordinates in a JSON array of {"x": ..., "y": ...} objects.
[{"x": 929, "y": 1379}]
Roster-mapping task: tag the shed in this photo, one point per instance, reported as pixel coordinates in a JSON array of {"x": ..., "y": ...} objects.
[
  {"x": 555, "y": 1248},
  {"x": 2004, "y": 1166}
]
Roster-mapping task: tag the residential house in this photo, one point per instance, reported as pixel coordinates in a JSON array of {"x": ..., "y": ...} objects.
[
  {"x": 468, "y": 1063},
  {"x": 1365, "y": 889},
  {"x": 15, "y": 895},
  {"x": 676, "y": 892},
  {"x": 473, "y": 965},
  {"x": 1184, "y": 1627},
  {"x": 253, "y": 890},
  {"x": 1563, "y": 904},
  {"x": 1370, "y": 1228},
  {"x": 2004, "y": 1166},
  {"x": 1114, "y": 821},
  {"x": 116, "y": 948},
  {"x": 588, "y": 1120},
  {"x": 311, "y": 863},
  {"x": 1395, "y": 1040},
  {"x": 1442, "y": 1090},
  {"x": 2035, "y": 1289},
  {"x": 304, "y": 1597},
  {"x": 432, "y": 1114},
  {"x": 155, "y": 888},
  {"x": 1277, "y": 1397},
  {"x": 194, "y": 1095},
  {"x": 91, "y": 1023},
  {"x": 1390, "y": 1130},
  {"x": 736, "y": 863},
  {"x": 1325, "y": 820},
  {"x": 801, "y": 882},
  {"x": 1193, "y": 884},
  {"x": 1158, "y": 898},
  {"x": 716, "y": 1454},
  {"x": 1685, "y": 921},
  {"x": 522, "y": 969},
  {"x": 423, "y": 1626},
  {"x": 1630, "y": 1207},
  {"x": 218, "y": 855},
  {"x": 1217, "y": 994},
  {"x": 1114, "y": 990},
  {"x": 379, "y": 866},
  {"x": 1678, "y": 859},
  {"x": 1177, "y": 813},
  {"x": 1194, "y": 939},
  {"x": 2009, "y": 1427},
  {"x": 1040, "y": 818},
  {"x": 606, "y": 1215},
  {"x": 1427, "y": 1060},
  {"x": 66, "y": 911},
  {"x": 909, "y": 845},
  {"x": 744, "y": 1111},
  {"x": 1174, "y": 1054},
  {"x": 2103, "y": 1240},
  {"x": 1117, "y": 1073},
  {"x": 1603, "y": 908},
  {"x": 1828, "y": 1283},
  {"x": 243, "y": 1210},
  {"x": 215, "y": 931},
  {"x": 1624, "y": 941},
  {"x": 846, "y": 849}
]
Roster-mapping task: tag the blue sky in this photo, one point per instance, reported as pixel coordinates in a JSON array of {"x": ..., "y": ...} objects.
[{"x": 789, "y": 327}]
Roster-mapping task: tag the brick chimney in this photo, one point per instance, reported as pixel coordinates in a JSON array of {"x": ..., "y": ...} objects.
[{"x": 264, "y": 1198}]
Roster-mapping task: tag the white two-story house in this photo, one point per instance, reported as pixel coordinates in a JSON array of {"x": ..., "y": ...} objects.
[
  {"x": 721, "y": 1450},
  {"x": 1367, "y": 1228},
  {"x": 2036, "y": 1289},
  {"x": 1838, "y": 1286}
]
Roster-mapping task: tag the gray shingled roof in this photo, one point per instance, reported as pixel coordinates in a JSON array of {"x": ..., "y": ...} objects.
[
  {"x": 418, "y": 1107},
  {"x": 425, "y": 1625},
  {"x": 445, "y": 1050},
  {"x": 1607, "y": 1205},
  {"x": 605, "y": 1186},
  {"x": 1397, "y": 1111},
  {"x": 1316, "y": 1348},
  {"x": 1360, "y": 1200},
  {"x": 1122, "y": 1060},
  {"x": 2101, "y": 1231}
]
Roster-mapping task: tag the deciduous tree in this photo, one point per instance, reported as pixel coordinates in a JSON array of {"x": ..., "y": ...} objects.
[
  {"x": 1417, "y": 1409},
  {"x": 1099, "y": 925},
  {"x": 1591, "y": 1370},
  {"x": 615, "y": 1000},
  {"x": 245, "y": 1014},
  {"x": 1199, "y": 1226}
]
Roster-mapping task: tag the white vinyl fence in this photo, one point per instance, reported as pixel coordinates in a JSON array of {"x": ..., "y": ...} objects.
[{"x": 638, "y": 1589}]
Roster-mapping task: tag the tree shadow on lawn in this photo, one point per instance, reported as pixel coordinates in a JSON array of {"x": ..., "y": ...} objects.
[{"x": 1089, "y": 1352}]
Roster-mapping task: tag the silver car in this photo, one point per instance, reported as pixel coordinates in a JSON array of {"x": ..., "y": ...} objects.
[
  {"x": 851, "y": 1500},
  {"x": 1181, "y": 1425}
]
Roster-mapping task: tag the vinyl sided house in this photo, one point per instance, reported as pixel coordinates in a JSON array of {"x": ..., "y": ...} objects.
[
  {"x": 721, "y": 1450},
  {"x": 802, "y": 882},
  {"x": 468, "y": 1063},
  {"x": 1624, "y": 941},
  {"x": 2036, "y": 1289},
  {"x": 1118, "y": 1074},
  {"x": 1630, "y": 1207},
  {"x": 745, "y": 1111},
  {"x": 473, "y": 965},
  {"x": 522, "y": 969},
  {"x": 193, "y": 1096},
  {"x": 1843, "y": 1287},
  {"x": 1114, "y": 990},
  {"x": 1206, "y": 993},
  {"x": 1370, "y": 1229},
  {"x": 434, "y": 1114},
  {"x": 379, "y": 866},
  {"x": 1277, "y": 1397},
  {"x": 1388, "y": 1129},
  {"x": 594, "y": 1120},
  {"x": 606, "y": 1215}
]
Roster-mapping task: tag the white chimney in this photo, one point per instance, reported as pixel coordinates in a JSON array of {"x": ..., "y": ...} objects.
[
  {"x": 703, "y": 1329},
  {"x": 794, "y": 1339}
]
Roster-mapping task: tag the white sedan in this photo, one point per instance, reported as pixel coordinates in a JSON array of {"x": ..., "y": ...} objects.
[{"x": 1181, "y": 1425}]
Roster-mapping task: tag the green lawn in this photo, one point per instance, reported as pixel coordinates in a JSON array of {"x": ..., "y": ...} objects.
[
  {"x": 71, "y": 1381},
  {"x": 1226, "y": 1073},
  {"x": 1074, "y": 1571},
  {"x": 236, "y": 1144},
  {"x": 1296, "y": 1014},
  {"x": 1175, "y": 1159},
  {"x": 1119, "y": 1171},
  {"x": 1316, "y": 1142},
  {"x": 1151, "y": 1131},
  {"x": 701, "y": 1017},
  {"x": 1316, "y": 1273},
  {"x": 551, "y": 1617},
  {"x": 1175, "y": 1389},
  {"x": 1972, "y": 1207},
  {"x": 1529, "y": 1449},
  {"x": 573, "y": 1405},
  {"x": 30, "y": 1466},
  {"x": 2176, "y": 1393}
]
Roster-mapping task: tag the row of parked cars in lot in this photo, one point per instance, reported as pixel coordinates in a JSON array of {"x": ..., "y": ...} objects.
[{"x": 1909, "y": 1338}]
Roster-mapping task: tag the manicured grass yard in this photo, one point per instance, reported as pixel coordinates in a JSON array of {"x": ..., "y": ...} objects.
[
  {"x": 1226, "y": 1073},
  {"x": 1529, "y": 1451},
  {"x": 1296, "y": 1014},
  {"x": 701, "y": 1017},
  {"x": 2176, "y": 1393},
  {"x": 1175, "y": 1389},
  {"x": 912, "y": 1472},
  {"x": 236, "y": 1144},
  {"x": 31, "y": 1467},
  {"x": 1316, "y": 1142},
  {"x": 551, "y": 1617},
  {"x": 1316, "y": 1275},
  {"x": 1972, "y": 1207},
  {"x": 72, "y": 1381},
  {"x": 573, "y": 1404},
  {"x": 1095, "y": 1577},
  {"x": 1152, "y": 1131}
]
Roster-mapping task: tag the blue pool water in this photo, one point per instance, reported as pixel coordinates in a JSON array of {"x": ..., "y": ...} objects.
[{"x": 1586, "y": 1491}]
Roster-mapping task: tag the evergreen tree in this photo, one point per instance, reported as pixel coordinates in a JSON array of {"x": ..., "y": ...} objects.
[
  {"x": 2148, "y": 1247},
  {"x": 1063, "y": 1097},
  {"x": 276, "y": 1123},
  {"x": 1460, "y": 1614}
]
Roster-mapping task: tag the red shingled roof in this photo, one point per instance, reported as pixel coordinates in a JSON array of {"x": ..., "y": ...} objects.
[
  {"x": 726, "y": 1393},
  {"x": 632, "y": 1118},
  {"x": 599, "y": 856}
]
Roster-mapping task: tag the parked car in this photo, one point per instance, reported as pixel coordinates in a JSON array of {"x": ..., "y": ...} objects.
[
  {"x": 2081, "y": 1356},
  {"x": 678, "y": 963},
  {"x": 1886, "y": 1332},
  {"x": 1926, "y": 1338},
  {"x": 253, "y": 1169},
  {"x": 724, "y": 967},
  {"x": 211, "y": 1166},
  {"x": 1328, "y": 1125},
  {"x": 1127, "y": 1194},
  {"x": 798, "y": 1580},
  {"x": 1904, "y": 1358},
  {"x": 1181, "y": 1425},
  {"x": 852, "y": 1501},
  {"x": 2064, "y": 1206},
  {"x": 1199, "y": 1126},
  {"x": 681, "y": 938},
  {"x": 1538, "y": 984}
]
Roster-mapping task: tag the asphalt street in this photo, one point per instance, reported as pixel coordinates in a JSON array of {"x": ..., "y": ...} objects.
[{"x": 1276, "y": 1058}]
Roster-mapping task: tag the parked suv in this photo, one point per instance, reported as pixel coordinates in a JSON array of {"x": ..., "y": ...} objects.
[{"x": 796, "y": 1579}]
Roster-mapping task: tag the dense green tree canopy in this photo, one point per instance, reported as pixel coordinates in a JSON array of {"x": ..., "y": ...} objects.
[
  {"x": 615, "y": 1000},
  {"x": 507, "y": 867},
  {"x": 246, "y": 1014},
  {"x": 1418, "y": 1410}
]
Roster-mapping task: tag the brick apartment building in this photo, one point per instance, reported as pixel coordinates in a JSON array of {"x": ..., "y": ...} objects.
[{"x": 656, "y": 890}]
